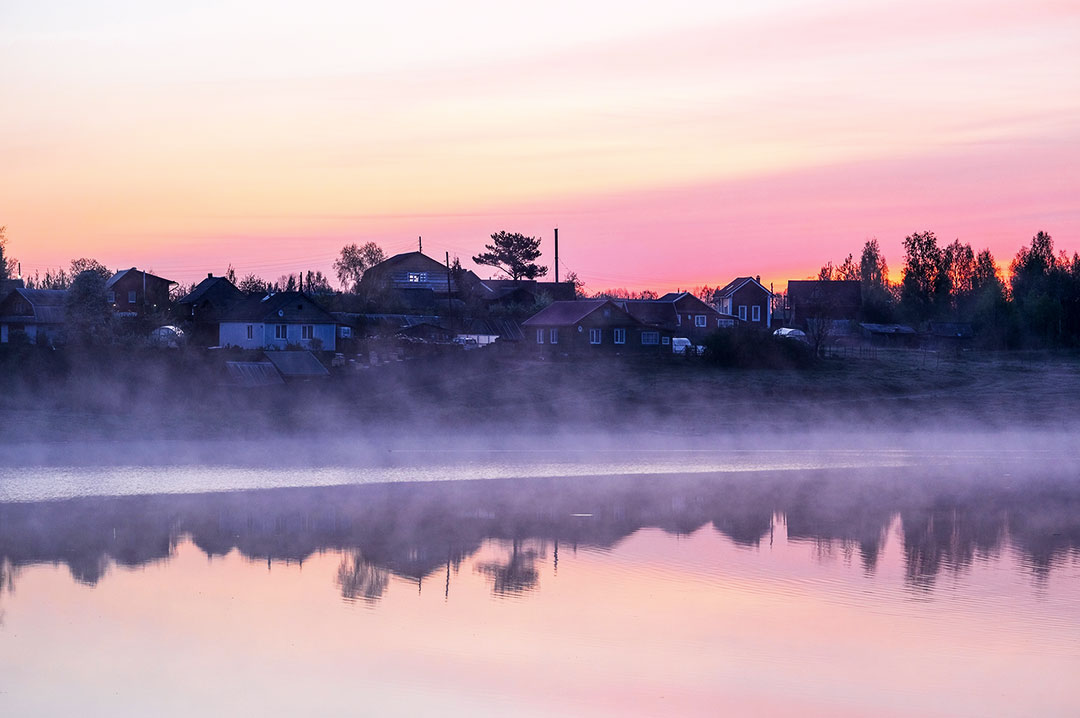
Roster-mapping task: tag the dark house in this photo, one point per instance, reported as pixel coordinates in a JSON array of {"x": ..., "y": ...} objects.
[
  {"x": 205, "y": 305},
  {"x": 523, "y": 292},
  {"x": 814, "y": 299},
  {"x": 7, "y": 286},
  {"x": 747, "y": 299},
  {"x": 589, "y": 327},
  {"x": 416, "y": 281},
  {"x": 133, "y": 293},
  {"x": 38, "y": 313}
]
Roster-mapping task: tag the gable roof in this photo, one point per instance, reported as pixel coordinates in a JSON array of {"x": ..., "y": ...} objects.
[
  {"x": 215, "y": 285},
  {"x": 280, "y": 308},
  {"x": 123, "y": 273},
  {"x": 736, "y": 284},
  {"x": 571, "y": 312},
  {"x": 660, "y": 312},
  {"x": 253, "y": 373}
]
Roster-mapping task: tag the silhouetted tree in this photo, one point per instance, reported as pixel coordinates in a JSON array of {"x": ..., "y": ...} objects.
[
  {"x": 7, "y": 266},
  {"x": 513, "y": 254},
  {"x": 924, "y": 284},
  {"x": 86, "y": 264},
  {"x": 316, "y": 283},
  {"x": 354, "y": 261},
  {"x": 252, "y": 284},
  {"x": 87, "y": 316},
  {"x": 230, "y": 274},
  {"x": 877, "y": 295}
]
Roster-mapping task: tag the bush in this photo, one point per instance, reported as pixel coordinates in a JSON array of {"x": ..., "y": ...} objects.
[{"x": 755, "y": 349}]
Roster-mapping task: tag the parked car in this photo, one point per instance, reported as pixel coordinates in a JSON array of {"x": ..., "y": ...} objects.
[{"x": 682, "y": 346}]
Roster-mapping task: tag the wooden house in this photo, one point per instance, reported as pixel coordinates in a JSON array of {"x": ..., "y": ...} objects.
[
  {"x": 592, "y": 327},
  {"x": 278, "y": 321},
  {"x": 204, "y": 306},
  {"x": 134, "y": 293},
  {"x": 746, "y": 299},
  {"x": 37, "y": 313}
]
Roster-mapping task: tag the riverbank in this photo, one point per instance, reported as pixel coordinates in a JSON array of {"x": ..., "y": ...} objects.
[{"x": 490, "y": 394}]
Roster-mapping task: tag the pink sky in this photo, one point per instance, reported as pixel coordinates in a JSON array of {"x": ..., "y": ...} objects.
[{"x": 672, "y": 146}]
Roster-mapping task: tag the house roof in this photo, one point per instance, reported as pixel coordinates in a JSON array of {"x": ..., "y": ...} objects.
[
  {"x": 47, "y": 305},
  {"x": 660, "y": 312},
  {"x": 506, "y": 329},
  {"x": 280, "y": 308},
  {"x": 846, "y": 292},
  {"x": 210, "y": 284},
  {"x": 571, "y": 312},
  {"x": 887, "y": 328},
  {"x": 296, "y": 364},
  {"x": 7, "y": 286},
  {"x": 736, "y": 284},
  {"x": 123, "y": 273},
  {"x": 253, "y": 373}
]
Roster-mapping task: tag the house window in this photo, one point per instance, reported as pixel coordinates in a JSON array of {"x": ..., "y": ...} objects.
[
  {"x": 346, "y": 332},
  {"x": 651, "y": 338},
  {"x": 666, "y": 340},
  {"x": 539, "y": 336},
  {"x": 678, "y": 319},
  {"x": 250, "y": 331},
  {"x": 701, "y": 320},
  {"x": 279, "y": 331},
  {"x": 111, "y": 297},
  {"x": 620, "y": 336},
  {"x": 417, "y": 277},
  {"x": 554, "y": 336},
  {"x": 756, "y": 313},
  {"x": 742, "y": 312},
  {"x": 307, "y": 331},
  {"x": 595, "y": 336},
  {"x": 131, "y": 297}
]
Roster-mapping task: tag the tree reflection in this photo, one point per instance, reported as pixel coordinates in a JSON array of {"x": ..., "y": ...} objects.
[
  {"x": 360, "y": 579},
  {"x": 517, "y": 574}
]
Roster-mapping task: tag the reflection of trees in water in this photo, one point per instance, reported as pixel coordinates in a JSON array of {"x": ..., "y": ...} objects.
[
  {"x": 515, "y": 575},
  {"x": 948, "y": 538},
  {"x": 361, "y": 579}
]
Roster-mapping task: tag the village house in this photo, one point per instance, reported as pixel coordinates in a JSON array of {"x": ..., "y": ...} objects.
[
  {"x": 134, "y": 293},
  {"x": 682, "y": 313},
  {"x": 278, "y": 321},
  {"x": 746, "y": 299},
  {"x": 814, "y": 299},
  {"x": 37, "y": 313},
  {"x": 588, "y": 327},
  {"x": 205, "y": 305}
]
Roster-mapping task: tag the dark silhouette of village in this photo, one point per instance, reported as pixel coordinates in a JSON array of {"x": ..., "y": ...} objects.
[{"x": 421, "y": 531}]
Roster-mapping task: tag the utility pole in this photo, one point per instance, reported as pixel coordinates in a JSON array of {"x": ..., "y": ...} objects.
[
  {"x": 420, "y": 241},
  {"x": 556, "y": 255},
  {"x": 449, "y": 303}
]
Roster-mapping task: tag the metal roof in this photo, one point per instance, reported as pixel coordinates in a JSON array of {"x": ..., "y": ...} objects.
[
  {"x": 297, "y": 364},
  {"x": 253, "y": 373},
  {"x": 280, "y": 308}
]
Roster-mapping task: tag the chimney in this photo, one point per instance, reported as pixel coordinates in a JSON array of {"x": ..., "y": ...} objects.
[{"x": 209, "y": 275}]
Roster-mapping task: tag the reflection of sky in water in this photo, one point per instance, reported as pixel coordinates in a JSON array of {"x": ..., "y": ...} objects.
[
  {"x": 35, "y": 483},
  {"x": 656, "y": 624}
]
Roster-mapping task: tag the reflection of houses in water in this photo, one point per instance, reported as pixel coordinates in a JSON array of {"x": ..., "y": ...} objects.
[{"x": 424, "y": 530}]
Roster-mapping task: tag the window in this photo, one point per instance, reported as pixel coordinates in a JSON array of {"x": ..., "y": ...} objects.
[
  {"x": 279, "y": 331},
  {"x": 307, "y": 331},
  {"x": 595, "y": 336},
  {"x": 651, "y": 338},
  {"x": 620, "y": 336},
  {"x": 756, "y": 313},
  {"x": 111, "y": 297},
  {"x": 742, "y": 312},
  {"x": 250, "y": 331},
  {"x": 417, "y": 277},
  {"x": 539, "y": 336},
  {"x": 667, "y": 340},
  {"x": 346, "y": 332},
  {"x": 554, "y": 336},
  {"x": 701, "y": 320},
  {"x": 678, "y": 319},
  {"x": 131, "y": 297}
]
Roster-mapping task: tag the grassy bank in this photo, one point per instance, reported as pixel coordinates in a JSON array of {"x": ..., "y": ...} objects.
[{"x": 163, "y": 395}]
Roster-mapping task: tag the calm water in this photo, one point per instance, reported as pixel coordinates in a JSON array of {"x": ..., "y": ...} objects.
[{"x": 887, "y": 589}]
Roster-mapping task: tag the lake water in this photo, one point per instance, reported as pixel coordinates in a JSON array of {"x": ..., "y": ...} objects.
[{"x": 878, "y": 585}]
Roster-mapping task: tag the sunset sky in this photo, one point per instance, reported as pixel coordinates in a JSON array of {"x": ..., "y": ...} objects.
[{"x": 674, "y": 144}]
